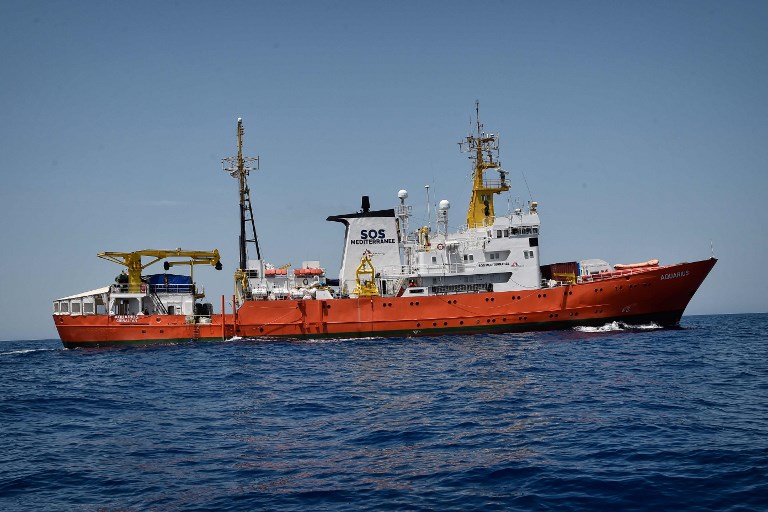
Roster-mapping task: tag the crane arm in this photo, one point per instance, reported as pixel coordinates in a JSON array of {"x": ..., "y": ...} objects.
[{"x": 132, "y": 260}]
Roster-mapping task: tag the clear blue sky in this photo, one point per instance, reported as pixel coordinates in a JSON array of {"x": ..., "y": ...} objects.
[{"x": 641, "y": 127}]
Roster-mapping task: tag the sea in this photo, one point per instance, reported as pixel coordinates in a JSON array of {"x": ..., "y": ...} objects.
[{"x": 615, "y": 418}]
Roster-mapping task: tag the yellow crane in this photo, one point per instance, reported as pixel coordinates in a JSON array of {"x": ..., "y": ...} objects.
[{"x": 132, "y": 260}]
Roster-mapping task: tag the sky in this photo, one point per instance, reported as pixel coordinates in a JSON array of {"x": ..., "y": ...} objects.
[{"x": 641, "y": 128}]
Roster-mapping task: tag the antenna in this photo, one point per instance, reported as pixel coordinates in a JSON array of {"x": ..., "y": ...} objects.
[
  {"x": 530, "y": 196},
  {"x": 428, "y": 219}
]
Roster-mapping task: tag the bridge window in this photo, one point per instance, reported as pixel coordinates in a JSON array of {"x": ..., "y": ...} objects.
[{"x": 498, "y": 233}]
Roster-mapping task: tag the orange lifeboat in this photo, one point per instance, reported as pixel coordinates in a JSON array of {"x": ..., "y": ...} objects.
[{"x": 307, "y": 272}]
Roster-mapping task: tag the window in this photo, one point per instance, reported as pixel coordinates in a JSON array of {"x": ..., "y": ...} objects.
[
  {"x": 434, "y": 259},
  {"x": 88, "y": 307},
  {"x": 525, "y": 253},
  {"x": 76, "y": 307},
  {"x": 515, "y": 231},
  {"x": 65, "y": 307},
  {"x": 55, "y": 307},
  {"x": 498, "y": 233},
  {"x": 533, "y": 242},
  {"x": 506, "y": 233}
]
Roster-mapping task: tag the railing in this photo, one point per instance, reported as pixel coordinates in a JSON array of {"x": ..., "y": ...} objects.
[
  {"x": 425, "y": 270},
  {"x": 155, "y": 288},
  {"x": 616, "y": 273},
  {"x": 495, "y": 184}
]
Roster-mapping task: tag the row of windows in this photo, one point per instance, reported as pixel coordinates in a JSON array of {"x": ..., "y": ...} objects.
[
  {"x": 64, "y": 307},
  {"x": 524, "y": 230}
]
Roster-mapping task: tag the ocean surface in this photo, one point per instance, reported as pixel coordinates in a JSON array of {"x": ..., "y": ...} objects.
[{"x": 615, "y": 418}]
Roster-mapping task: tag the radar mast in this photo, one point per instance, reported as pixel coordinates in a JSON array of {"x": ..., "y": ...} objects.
[{"x": 483, "y": 149}]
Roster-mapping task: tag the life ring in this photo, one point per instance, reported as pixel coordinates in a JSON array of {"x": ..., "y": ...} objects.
[
  {"x": 306, "y": 281},
  {"x": 440, "y": 247}
]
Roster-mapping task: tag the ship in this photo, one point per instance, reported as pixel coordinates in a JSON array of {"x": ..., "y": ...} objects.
[{"x": 396, "y": 279}]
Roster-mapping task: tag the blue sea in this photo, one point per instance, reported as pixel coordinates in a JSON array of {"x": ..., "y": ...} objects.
[{"x": 614, "y": 418}]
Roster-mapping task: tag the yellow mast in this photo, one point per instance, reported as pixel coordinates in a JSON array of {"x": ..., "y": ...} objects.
[{"x": 482, "y": 149}]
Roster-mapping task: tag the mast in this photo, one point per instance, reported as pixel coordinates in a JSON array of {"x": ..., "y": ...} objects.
[
  {"x": 483, "y": 149},
  {"x": 239, "y": 167}
]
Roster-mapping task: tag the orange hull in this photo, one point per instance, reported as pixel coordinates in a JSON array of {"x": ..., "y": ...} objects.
[{"x": 656, "y": 294}]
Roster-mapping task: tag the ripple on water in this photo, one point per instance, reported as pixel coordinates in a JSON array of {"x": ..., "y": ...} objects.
[{"x": 624, "y": 418}]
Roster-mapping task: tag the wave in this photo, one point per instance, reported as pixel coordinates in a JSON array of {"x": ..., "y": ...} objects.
[
  {"x": 618, "y": 326},
  {"x": 26, "y": 351}
]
